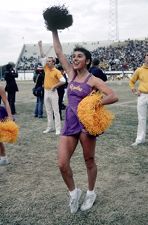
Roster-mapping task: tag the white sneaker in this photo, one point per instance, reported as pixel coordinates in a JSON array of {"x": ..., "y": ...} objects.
[
  {"x": 88, "y": 201},
  {"x": 4, "y": 162},
  {"x": 58, "y": 132},
  {"x": 137, "y": 143},
  {"x": 47, "y": 131},
  {"x": 74, "y": 201}
]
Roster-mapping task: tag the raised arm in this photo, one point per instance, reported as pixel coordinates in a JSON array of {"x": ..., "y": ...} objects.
[
  {"x": 59, "y": 52},
  {"x": 41, "y": 49},
  {"x": 43, "y": 58}
]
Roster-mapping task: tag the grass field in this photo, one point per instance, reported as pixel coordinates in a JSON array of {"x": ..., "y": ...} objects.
[{"x": 32, "y": 191}]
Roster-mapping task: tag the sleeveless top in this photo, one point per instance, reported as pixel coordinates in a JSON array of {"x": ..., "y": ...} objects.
[{"x": 76, "y": 91}]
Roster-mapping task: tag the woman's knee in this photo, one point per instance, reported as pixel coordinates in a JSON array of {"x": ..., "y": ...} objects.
[
  {"x": 90, "y": 162},
  {"x": 62, "y": 165}
]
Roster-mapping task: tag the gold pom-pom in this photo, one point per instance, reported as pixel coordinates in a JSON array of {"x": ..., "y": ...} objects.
[
  {"x": 8, "y": 131},
  {"x": 95, "y": 117}
]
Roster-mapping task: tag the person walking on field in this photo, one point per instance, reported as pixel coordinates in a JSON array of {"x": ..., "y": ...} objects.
[
  {"x": 39, "y": 81},
  {"x": 52, "y": 80},
  {"x": 11, "y": 86},
  {"x": 81, "y": 84},
  {"x": 61, "y": 91},
  {"x": 3, "y": 156},
  {"x": 96, "y": 71},
  {"x": 141, "y": 75}
]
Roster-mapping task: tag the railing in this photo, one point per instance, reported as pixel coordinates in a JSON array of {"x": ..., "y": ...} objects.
[
  {"x": 112, "y": 75},
  {"x": 119, "y": 75}
]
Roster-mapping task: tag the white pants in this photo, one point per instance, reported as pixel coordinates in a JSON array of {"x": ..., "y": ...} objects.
[
  {"x": 142, "y": 105},
  {"x": 51, "y": 99}
]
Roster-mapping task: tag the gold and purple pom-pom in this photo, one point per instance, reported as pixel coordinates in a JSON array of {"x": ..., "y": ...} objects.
[
  {"x": 8, "y": 129},
  {"x": 57, "y": 18},
  {"x": 95, "y": 117}
]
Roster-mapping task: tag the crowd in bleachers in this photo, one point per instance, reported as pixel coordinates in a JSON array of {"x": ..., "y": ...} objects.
[
  {"x": 127, "y": 55},
  {"x": 27, "y": 63},
  {"x": 122, "y": 56}
]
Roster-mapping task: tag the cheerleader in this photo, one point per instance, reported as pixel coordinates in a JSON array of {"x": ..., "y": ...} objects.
[
  {"x": 4, "y": 113},
  {"x": 81, "y": 84}
]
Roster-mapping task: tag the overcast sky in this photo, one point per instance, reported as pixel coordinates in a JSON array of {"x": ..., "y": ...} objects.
[{"x": 22, "y": 22}]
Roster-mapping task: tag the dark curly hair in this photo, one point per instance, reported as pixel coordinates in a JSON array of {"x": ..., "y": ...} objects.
[{"x": 85, "y": 52}]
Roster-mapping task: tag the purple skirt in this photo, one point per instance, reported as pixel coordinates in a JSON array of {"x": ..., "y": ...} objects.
[{"x": 3, "y": 113}]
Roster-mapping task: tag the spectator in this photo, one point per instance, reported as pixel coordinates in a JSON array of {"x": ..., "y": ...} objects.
[
  {"x": 11, "y": 86},
  {"x": 141, "y": 75},
  {"x": 53, "y": 79},
  {"x": 96, "y": 71},
  {"x": 39, "y": 81},
  {"x": 61, "y": 91}
]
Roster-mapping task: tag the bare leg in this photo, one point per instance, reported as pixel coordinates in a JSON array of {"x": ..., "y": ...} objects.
[
  {"x": 66, "y": 149},
  {"x": 2, "y": 150},
  {"x": 88, "y": 144}
]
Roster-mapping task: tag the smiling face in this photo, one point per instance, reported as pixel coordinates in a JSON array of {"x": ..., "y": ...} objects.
[
  {"x": 78, "y": 60},
  {"x": 81, "y": 58},
  {"x": 50, "y": 62}
]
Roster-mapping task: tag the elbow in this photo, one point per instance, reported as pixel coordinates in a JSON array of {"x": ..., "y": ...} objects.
[{"x": 115, "y": 98}]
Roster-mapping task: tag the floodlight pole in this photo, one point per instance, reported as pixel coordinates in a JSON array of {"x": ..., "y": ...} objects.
[{"x": 113, "y": 21}]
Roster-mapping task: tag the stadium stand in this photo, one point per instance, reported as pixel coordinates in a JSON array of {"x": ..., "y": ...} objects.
[
  {"x": 113, "y": 56},
  {"x": 29, "y": 55}
]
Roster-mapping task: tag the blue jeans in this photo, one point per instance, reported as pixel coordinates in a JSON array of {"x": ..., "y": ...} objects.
[{"x": 39, "y": 107}]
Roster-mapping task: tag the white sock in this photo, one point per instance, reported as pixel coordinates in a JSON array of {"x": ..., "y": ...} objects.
[
  {"x": 90, "y": 192},
  {"x": 3, "y": 157},
  {"x": 73, "y": 193}
]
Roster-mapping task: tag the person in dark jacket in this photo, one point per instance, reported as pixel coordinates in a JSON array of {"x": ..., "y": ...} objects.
[
  {"x": 11, "y": 86},
  {"x": 96, "y": 71},
  {"x": 61, "y": 91},
  {"x": 39, "y": 81}
]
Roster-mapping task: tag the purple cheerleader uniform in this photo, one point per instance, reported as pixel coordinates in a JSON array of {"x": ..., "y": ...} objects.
[
  {"x": 76, "y": 92},
  {"x": 3, "y": 113}
]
